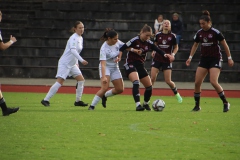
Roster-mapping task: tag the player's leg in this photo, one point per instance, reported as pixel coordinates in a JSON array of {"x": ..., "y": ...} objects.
[
  {"x": 98, "y": 96},
  {"x": 61, "y": 76},
  {"x": 199, "y": 77},
  {"x": 147, "y": 83},
  {"x": 79, "y": 91},
  {"x": 214, "y": 74},
  {"x": 5, "y": 110},
  {"x": 167, "y": 77},
  {"x": 154, "y": 74}
]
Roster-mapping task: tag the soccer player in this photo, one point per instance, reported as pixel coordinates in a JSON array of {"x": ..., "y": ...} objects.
[
  {"x": 211, "y": 59},
  {"x": 5, "y": 110},
  {"x": 68, "y": 66},
  {"x": 166, "y": 41},
  {"x": 134, "y": 66},
  {"x": 109, "y": 68}
]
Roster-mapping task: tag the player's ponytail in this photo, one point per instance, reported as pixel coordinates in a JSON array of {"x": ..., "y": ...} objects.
[
  {"x": 109, "y": 32},
  {"x": 72, "y": 30}
]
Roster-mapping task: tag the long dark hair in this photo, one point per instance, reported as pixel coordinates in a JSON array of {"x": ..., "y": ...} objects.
[{"x": 109, "y": 32}]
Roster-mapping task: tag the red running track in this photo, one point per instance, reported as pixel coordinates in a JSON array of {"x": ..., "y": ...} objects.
[{"x": 127, "y": 91}]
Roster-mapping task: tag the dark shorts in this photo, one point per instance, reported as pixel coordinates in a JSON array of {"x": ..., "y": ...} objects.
[
  {"x": 160, "y": 65},
  {"x": 206, "y": 62},
  {"x": 139, "y": 68}
]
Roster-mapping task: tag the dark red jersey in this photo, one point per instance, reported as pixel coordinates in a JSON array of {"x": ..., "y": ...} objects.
[
  {"x": 137, "y": 43},
  {"x": 166, "y": 43},
  {"x": 209, "y": 42}
]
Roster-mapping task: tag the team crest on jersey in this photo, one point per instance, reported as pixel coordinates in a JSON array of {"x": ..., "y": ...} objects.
[
  {"x": 164, "y": 42},
  {"x": 205, "y": 39},
  {"x": 210, "y": 36},
  {"x": 131, "y": 66},
  {"x": 146, "y": 48},
  {"x": 169, "y": 38},
  {"x": 137, "y": 45},
  {"x": 160, "y": 37}
]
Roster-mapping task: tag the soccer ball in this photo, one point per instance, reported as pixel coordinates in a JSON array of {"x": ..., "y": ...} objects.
[{"x": 158, "y": 105}]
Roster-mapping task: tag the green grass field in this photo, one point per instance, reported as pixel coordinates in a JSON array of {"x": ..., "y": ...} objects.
[{"x": 65, "y": 132}]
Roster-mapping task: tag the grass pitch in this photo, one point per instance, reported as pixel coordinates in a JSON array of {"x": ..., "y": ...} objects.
[{"x": 65, "y": 132}]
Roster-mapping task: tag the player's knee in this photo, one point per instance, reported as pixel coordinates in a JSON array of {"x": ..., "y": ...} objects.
[
  {"x": 149, "y": 88},
  {"x": 136, "y": 83}
]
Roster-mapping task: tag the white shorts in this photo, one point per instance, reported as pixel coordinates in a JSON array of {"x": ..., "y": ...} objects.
[
  {"x": 63, "y": 72},
  {"x": 114, "y": 73}
]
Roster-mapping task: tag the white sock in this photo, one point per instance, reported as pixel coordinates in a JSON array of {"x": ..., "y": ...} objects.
[
  {"x": 145, "y": 102},
  {"x": 137, "y": 104},
  {"x": 95, "y": 100},
  {"x": 109, "y": 93},
  {"x": 53, "y": 90},
  {"x": 79, "y": 90}
]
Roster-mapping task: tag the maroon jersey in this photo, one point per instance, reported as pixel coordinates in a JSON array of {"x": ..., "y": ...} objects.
[
  {"x": 209, "y": 42},
  {"x": 137, "y": 43},
  {"x": 165, "y": 42}
]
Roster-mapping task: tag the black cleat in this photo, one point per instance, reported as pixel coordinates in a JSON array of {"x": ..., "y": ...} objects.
[
  {"x": 104, "y": 100},
  {"x": 196, "y": 108},
  {"x": 45, "y": 103},
  {"x": 10, "y": 111},
  {"x": 80, "y": 103},
  {"x": 91, "y": 108},
  {"x": 226, "y": 107},
  {"x": 146, "y": 106},
  {"x": 140, "y": 108}
]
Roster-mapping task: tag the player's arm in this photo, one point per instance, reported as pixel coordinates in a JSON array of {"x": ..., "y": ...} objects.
[
  {"x": 103, "y": 70},
  {"x": 227, "y": 51},
  {"x": 159, "y": 51},
  {"x": 193, "y": 50},
  {"x": 4, "y": 46}
]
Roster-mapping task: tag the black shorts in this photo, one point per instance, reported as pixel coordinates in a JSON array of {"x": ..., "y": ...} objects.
[
  {"x": 160, "y": 65},
  {"x": 209, "y": 62},
  {"x": 139, "y": 68}
]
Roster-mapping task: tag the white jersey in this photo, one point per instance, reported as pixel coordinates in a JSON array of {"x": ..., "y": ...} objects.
[
  {"x": 110, "y": 53},
  {"x": 68, "y": 58}
]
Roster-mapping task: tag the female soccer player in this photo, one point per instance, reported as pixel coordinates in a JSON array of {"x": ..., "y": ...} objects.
[
  {"x": 68, "y": 66},
  {"x": 109, "y": 68},
  {"x": 134, "y": 65},
  {"x": 167, "y": 42},
  {"x": 5, "y": 110},
  {"x": 211, "y": 58}
]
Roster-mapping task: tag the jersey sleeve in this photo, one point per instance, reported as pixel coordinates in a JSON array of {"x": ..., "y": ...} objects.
[
  {"x": 220, "y": 36},
  {"x": 128, "y": 44},
  {"x": 1, "y": 37},
  {"x": 73, "y": 43},
  {"x": 196, "y": 38},
  {"x": 103, "y": 54}
]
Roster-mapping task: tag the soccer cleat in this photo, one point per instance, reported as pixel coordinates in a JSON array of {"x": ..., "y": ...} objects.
[
  {"x": 226, "y": 107},
  {"x": 196, "y": 108},
  {"x": 80, "y": 103},
  {"x": 179, "y": 98},
  {"x": 91, "y": 107},
  {"x": 146, "y": 106},
  {"x": 45, "y": 103},
  {"x": 104, "y": 99},
  {"x": 140, "y": 108},
  {"x": 10, "y": 111}
]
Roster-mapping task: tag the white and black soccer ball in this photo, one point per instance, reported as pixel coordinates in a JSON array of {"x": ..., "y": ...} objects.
[{"x": 158, "y": 105}]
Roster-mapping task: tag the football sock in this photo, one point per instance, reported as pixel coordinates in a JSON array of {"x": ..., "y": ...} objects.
[
  {"x": 147, "y": 93},
  {"x": 53, "y": 90},
  {"x": 95, "y": 100},
  {"x": 137, "y": 104},
  {"x": 3, "y": 104},
  {"x": 109, "y": 93},
  {"x": 79, "y": 90},
  {"x": 135, "y": 91},
  {"x": 197, "y": 98},
  {"x": 222, "y": 96},
  {"x": 174, "y": 90}
]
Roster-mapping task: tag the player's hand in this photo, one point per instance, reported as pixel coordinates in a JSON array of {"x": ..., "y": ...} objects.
[
  {"x": 170, "y": 57},
  {"x": 117, "y": 59},
  {"x": 84, "y": 62},
  {"x": 104, "y": 80},
  {"x": 188, "y": 62},
  {"x": 13, "y": 39},
  {"x": 138, "y": 51},
  {"x": 230, "y": 62},
  {"x": 153, "y": 53}
]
